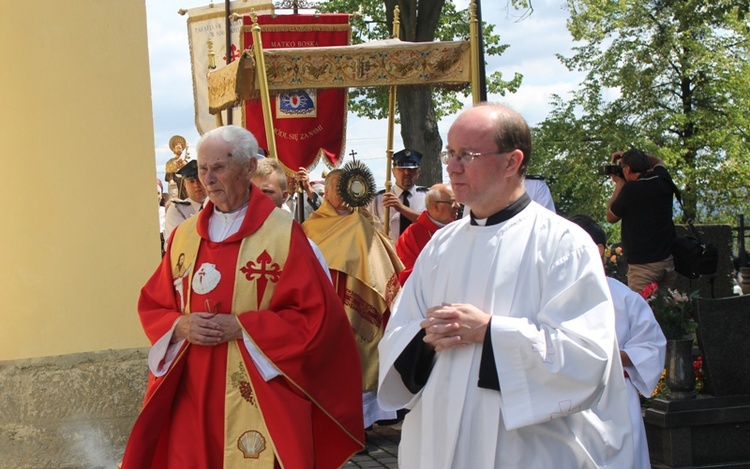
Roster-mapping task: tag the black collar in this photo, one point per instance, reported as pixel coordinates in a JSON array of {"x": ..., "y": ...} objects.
[{"x": 507, "y": 213}]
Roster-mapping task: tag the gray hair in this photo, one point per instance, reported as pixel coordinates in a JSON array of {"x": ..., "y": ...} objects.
[
  {"x": 434, "y": 194},
  {"x": 243, "y": 142},
  {"x": 431, "y": 196}
]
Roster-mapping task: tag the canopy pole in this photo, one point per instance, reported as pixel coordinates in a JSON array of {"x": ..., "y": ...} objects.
[
  {"x": 391, "y": 123},
  {"x": 476, "y": 88},
  {"x": 265, "y": 98}
]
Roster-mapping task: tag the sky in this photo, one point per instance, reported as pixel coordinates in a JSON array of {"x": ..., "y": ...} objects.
[{"x": 534, "y": 42}]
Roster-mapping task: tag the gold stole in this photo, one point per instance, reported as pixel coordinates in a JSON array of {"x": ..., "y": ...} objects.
[{"x": 247, "y": 442}]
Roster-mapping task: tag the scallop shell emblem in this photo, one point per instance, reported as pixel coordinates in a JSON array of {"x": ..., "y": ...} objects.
[
  {"x": 206, "y": 278},
  {"x": 251, "y": 443}
]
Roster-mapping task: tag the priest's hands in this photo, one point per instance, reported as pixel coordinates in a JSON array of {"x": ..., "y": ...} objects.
[
  {"x": 454, "y": 325},
  {"x": 207, "y": 328}
]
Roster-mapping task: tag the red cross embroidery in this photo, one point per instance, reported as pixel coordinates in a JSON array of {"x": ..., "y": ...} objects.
[
  {"x": 262, "y": 270},
  {"x": 233, "y": 52}
]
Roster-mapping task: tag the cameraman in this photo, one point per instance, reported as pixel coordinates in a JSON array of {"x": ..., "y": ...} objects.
[{"x": 643, "y": 201}]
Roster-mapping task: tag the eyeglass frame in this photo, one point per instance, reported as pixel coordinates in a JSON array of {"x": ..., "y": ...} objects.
[
  {"x": 466, "y": 157},
  {"x": 450, "y": 202}
]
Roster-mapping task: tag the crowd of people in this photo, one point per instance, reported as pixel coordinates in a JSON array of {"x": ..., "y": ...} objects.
[{"x": 284, "y": 322}]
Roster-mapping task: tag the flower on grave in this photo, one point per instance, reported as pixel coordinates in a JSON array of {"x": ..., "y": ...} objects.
[
  {"x": 661, "y": 390},
  {"x": 672, "y": 309},
  {"x": 699, "y": 376}
]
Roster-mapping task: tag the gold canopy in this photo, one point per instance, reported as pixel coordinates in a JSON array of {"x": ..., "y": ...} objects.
[{"x": 382, "y": 63}]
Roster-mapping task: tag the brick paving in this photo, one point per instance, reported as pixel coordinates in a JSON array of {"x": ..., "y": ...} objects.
[{"x": 382, "y": 448}]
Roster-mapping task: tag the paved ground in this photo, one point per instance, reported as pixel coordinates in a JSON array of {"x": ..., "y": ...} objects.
[{"x": 382, "y": 448}]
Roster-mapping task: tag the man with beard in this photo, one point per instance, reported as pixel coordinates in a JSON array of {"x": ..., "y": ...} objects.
[{"x": 406, "y": 199}]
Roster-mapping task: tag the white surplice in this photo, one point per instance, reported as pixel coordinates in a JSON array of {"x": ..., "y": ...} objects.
[
  {"x": 562, "y": 401},
  {"x": 640, "y": 336}
]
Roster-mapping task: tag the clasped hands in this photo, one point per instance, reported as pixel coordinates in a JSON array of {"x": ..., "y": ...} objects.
[
  {"x": 454, "y": 325},
  {"x": 207, "y": 328}
]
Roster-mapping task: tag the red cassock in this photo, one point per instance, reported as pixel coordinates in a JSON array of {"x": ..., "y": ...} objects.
[
  {"x": 312, "y": 410},
  {"x": 412, "y": 241}
]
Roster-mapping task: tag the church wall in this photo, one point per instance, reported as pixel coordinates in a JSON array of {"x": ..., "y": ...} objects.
[
  {"x": 79, "y": 234},
  {"x": 80, "y": 227}
]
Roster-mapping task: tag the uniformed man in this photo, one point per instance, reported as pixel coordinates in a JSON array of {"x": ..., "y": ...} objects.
[
  {"x": 182, "y": 209},
  {"x": 406, "y": 199}
]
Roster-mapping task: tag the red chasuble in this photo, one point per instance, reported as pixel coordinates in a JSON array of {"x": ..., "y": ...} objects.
[
  {"x": 412, "y": 241},
  {"x": 312, "y": 411}
]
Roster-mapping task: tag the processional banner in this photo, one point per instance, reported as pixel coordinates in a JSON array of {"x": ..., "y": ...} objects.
[
  {"x": 309, "y": 123},
  {"x": 207, "y": 28}
]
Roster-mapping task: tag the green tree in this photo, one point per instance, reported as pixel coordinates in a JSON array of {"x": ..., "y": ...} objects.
[
  {"x": 419, "y": 108},
  {"x": 669, "y": 76}
]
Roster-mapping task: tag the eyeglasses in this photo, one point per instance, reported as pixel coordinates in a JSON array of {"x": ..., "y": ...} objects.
[
  {"x": 466, "y": 157},
  {"x": 449, "y": 202}
]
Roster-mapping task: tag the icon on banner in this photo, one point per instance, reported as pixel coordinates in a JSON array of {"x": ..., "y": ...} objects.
[{"x": 297, "y": 103}]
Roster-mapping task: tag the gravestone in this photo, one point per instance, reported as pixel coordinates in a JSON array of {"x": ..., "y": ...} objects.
[
  {"x": 712, "y": 430},
  {"x": 705, "y": 432},
  {"x": 723, "y": 337}
]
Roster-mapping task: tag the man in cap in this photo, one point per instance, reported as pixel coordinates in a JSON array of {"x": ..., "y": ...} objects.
[
  {"x": 406, "y": 200},
  {"x": 182, "y": 209}
]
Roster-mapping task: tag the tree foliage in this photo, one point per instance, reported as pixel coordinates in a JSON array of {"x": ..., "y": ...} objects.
[
  {"x": 668, "y": 76},
  {"x": 419, "y": 108}
]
